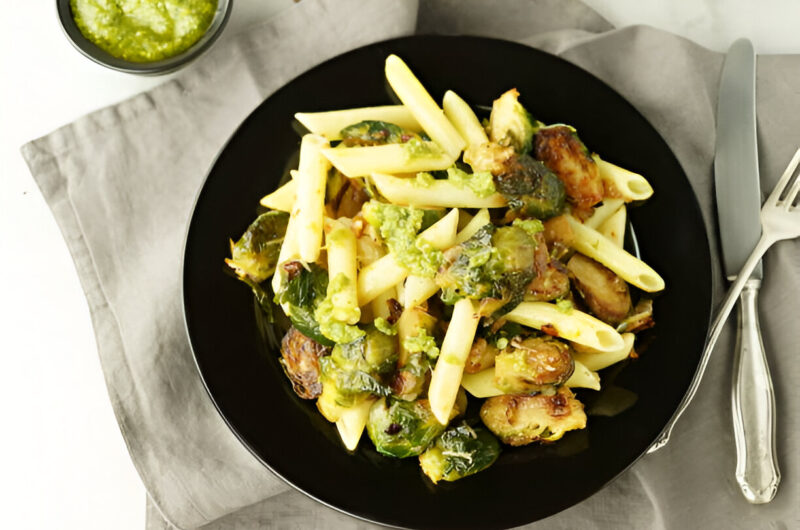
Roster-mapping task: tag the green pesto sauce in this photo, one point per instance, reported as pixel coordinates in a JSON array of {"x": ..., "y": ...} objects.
[
  {"x": 398, "y": 226},
  {"x": 333, "y": 329},
  {"x": 382, "y": 325},
  {"x": 143, "y": 31},
  {"x": 422, "y": 342}
]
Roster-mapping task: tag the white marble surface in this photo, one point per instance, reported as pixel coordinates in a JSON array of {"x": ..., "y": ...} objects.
[{"x": 64, "y": 462}]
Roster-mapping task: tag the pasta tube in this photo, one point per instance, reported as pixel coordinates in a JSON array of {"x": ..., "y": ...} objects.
[
  {"x": 599, "y": 360},
  {"x": 631, "y": 186},
  {"x": 384, "y": 273},
  {"x": 461, "y": 116},
  {"x": 614, "y": 227},
  {"x": 409, "y": 191},
  {"x": 603, "y": 212},
  {"x": 281, "y": 199},
  {"x": 342, "y": 271},
  {"x": 410, "y": 157},
  {"x": 593, "y": 244},
  {"x": 479, "y": 220},
  {"x": 352, "y": 422},
  {"x": 414, "y": 96},
  {"x": 583, "y": 377},
  {"x": 572, "y": 325},
  {"x": 449, "y": 368},
  {"x": 309, "y": 207},
  {"x": 330, "y": 124},
  {"x": 288, "y": 252}
]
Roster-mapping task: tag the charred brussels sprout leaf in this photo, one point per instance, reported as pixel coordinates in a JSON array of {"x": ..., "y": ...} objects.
[
  {"x": 301, "y": 295},
  {"x": 559, "y": 147},
  {"x": 374, "y": 353},
  {"x": 510, "y": 124},
  {"x": 370, "y": 132},
  {"x": 300, "y": 360},
  {"x": 402, "y": 428},
  {"x": 530, "y": 188},
  {"x": 495, "y": 263},
  {"x": 459, "y": 452},
  {"x": 255, "y": 255}
]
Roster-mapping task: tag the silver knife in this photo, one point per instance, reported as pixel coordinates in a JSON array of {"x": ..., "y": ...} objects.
[{"x": 738, "y": 205}]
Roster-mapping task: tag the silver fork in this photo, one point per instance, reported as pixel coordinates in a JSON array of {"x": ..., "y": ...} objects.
[{"x": 780, "y": 219}]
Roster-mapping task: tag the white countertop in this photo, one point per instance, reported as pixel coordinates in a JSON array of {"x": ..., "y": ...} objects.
[{"x": 64, "y": 461}]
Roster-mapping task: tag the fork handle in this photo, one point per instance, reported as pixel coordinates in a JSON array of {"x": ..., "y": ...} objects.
[
  {"x": 723, "y": 312},
  {"x": 753, "y": 404}
]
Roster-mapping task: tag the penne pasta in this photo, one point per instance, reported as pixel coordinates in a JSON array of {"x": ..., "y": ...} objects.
[
  {"x": 309, "y": 207},
  {"x": 379, "y": 276},
  {"x": 599, "y": 360},
  {"x": 410, "y": 157},
  {"x": 330, "y": 124},
  {"x": 572, "y": 325},
  {"x": 446, "y": 377},
  {"x": 342, "y": 271},
  {"x": 480, "y": 219},
  {"x": 583, "y": 377},
  {"x": 603, "y": 212},
  {"x": 288, "y": 252},
  {"x": 630, "y": 186},
  {"x": 614, "y": 227},
  {"x": 591, "y": 243},
  {"x": 414, "y": 96},
  {"x": 386, "y": 272},
  {"x": 464, "y": 119},
  {"x": 408, "y": 191},
  {"x": 351, "y": 423},
  {"x": 281, "y": 199}
]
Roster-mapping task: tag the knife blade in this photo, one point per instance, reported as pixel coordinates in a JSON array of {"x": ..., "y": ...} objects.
[
  {"x": 736, "y": 159},
  {"x": 738, "y": 196}
]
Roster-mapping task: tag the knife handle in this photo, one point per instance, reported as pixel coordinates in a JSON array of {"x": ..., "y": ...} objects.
[{"x": 753, "y": 400}]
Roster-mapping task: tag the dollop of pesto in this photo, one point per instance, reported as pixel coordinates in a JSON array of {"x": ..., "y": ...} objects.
[
  {"x": 531, "y": 226},
  {"x": 398, "y": 226},
  {"x": 330, "y": 327},
  {"x": 382, "y": 325},
  {"x": 422, "y": 342},
  {"x": 143, "y": 31},
  {"x": 480, "y": 182}
]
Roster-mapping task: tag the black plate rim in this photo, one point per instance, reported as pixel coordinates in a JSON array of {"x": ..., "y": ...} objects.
[{"x": 712, "y": 281}]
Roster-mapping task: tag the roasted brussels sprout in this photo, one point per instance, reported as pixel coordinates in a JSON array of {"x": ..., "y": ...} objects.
[
  {"x": 300, "y": 361},
  {"x": 494, "y": 264},
  {"x": 300, "y": 296},
  {"x": 402, "y": 428},
  {"x": 520, "y": 420},
  {"x": 530, "y": 364},
  {"x": 606, "y": 294},
  {"x": 510, "y": 124},
  {"x": 255, "y": 255},
  {"x": 374, "y": 353},
  {"x": 481, "y": 356},
  {"x": 459, "y": 452},
  {"x": 344, "y": 196},
  {"x": 641, "y": 318},
  {"x": 559, "y": 147},
  {"x": 551, "y": 279},
  {"x": 370, "y": 132}
]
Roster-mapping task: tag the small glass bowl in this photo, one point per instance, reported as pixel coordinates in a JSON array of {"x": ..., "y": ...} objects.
[{"x": 164, "y": 66}]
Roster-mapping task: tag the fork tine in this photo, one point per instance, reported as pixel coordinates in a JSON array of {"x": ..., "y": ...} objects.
[
  {"x": 790, "y": 197},
  {"x": 787, "y": 175}
]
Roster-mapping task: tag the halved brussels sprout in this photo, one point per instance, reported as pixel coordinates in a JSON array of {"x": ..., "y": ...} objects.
[
  {"x": 559, "y": 147},
  {"x": 402, "y": 428},
  {"x": 529, "y": 365},
  {"x": 605, "y": 293},
  {"x": 371, "y": 132},
  {"x": 300, "y": 361},
  {"x": 520, "y": 420},
  {"x": 255, "y": 254},
  {"x": 459, "y": 452},
  {"x": 510, "y": 124}
]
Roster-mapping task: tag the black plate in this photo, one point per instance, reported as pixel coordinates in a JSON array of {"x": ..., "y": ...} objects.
[{"x": 289, "y": 436}]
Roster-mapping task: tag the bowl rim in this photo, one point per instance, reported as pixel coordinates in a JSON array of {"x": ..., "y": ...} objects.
[{"x": 164, "y": 66}]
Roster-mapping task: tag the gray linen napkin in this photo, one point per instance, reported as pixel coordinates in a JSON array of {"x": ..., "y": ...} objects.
[{"x": 121, "y": 196}]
